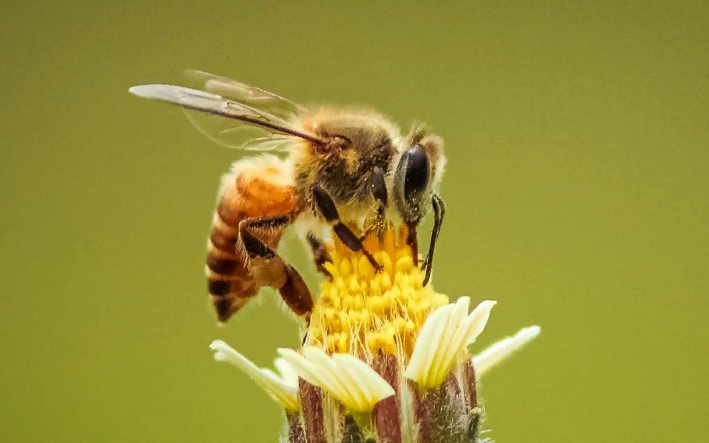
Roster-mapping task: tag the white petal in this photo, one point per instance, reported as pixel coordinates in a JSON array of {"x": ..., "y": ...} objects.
[
  {"x": 329, "y": 374},
  {"x": 477, "y": 320},
  {"x": 446, "y": 333},
  {"x": 279, "y": 388},
  {"x": 343, "y": 376},
  {"x": 452, "y": 339},
  {"x": 369, "y": 386},
  {"x": 349, "y": 376},
  {"x": 287, "y": 373},
  {"x": 503, "y": 349},
  {"x": 426, "y": 345},
  {"x": 305, "y": 369}
]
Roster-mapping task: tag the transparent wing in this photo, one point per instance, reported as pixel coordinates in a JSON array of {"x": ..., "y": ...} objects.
[
  {"x": 227, "y": 121},
  {"x": 243, "y": 93}
]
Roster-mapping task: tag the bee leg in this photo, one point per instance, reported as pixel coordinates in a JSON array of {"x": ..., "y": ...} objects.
[
  {"x": 439, "y": 210},
  {"x": 320, "y": 254},
  {"x": 413, "y": 242},
  {"x": 296, "y": 294},
  {"x": 326, "y": 207},
  {"x": 379, "y": 192},
  {"x": 294, "y": 291}
]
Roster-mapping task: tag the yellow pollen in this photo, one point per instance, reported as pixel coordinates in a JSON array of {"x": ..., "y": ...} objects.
[{"x": 365, "y": 313}]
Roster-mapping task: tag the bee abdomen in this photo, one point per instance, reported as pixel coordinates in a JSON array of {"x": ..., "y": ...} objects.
[
  {"x": 222, "y": 265},
  {"x": 228, "y": 278},
  {"x": 254, "y": 189}
]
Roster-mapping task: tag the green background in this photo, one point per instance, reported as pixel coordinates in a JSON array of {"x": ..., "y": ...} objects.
[{"x": 577, "y": 137}]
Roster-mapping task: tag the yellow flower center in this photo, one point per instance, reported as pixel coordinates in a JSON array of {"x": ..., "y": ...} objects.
[{"x": 366, "y": 313}]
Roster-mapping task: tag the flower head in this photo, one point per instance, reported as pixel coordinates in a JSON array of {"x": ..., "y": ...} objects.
[
  {"x": 366, "y": 313},
  {"x": 384, "y": 358}
]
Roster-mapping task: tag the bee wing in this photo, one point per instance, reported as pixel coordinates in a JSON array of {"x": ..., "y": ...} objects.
[
  {"x": 243, "y": 93},
  {"x": 226, "y": 121}
]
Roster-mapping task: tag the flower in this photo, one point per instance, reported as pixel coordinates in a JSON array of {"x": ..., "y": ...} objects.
[{"x": 384, "y": 359}]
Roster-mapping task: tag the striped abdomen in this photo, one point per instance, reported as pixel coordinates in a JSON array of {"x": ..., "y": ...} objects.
[{"x": 255, "y": 188}]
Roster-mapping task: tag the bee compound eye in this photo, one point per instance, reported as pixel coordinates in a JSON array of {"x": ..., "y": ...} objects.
[{"x": 417, "y": 171}]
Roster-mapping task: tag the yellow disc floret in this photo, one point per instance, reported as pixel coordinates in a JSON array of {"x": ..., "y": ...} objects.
[{"x": 366, "y": 313}]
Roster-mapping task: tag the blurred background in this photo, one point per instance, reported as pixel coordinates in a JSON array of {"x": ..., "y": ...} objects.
[{"x": 577, "y": 192}]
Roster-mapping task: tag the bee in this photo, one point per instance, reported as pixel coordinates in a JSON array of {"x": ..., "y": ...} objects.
[{"x": 345, "y": 170}]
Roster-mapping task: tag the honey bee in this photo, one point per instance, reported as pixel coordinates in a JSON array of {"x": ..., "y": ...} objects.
[{"x": 345, "y": 171}]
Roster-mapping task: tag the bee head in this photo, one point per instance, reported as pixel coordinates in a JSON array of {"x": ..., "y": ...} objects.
[{"x": 417, "y": 175}]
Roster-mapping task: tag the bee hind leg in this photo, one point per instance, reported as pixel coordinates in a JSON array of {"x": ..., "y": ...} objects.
[
  {"x": 293, "y": 290},
  {"x": 326, "y": 207}
]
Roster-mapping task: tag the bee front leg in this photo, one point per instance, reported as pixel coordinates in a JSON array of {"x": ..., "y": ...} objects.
[
  {"x": 380, "y": 194},
  {"x": 326, "y": 207},
  {"x": 439, "y": 210},
  {"x": 413, "y": 242},
  {"x": 293, "y": 290}
]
